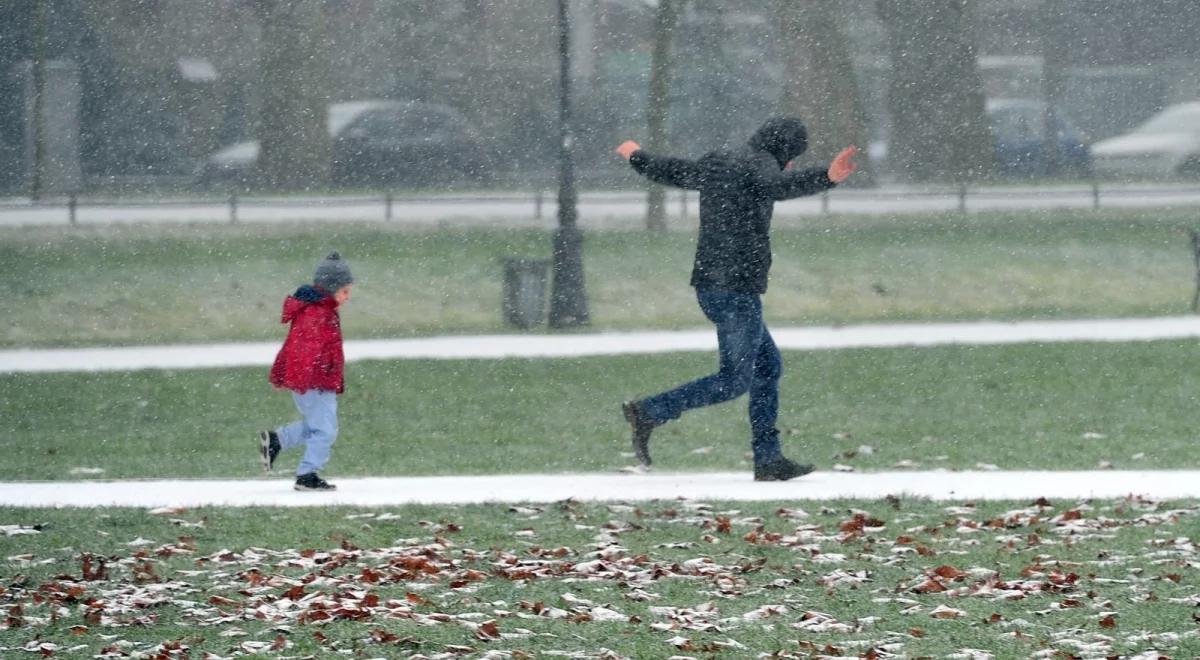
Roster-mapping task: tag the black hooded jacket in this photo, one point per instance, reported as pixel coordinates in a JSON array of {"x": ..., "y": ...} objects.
[{"x": 738, "y": 191}]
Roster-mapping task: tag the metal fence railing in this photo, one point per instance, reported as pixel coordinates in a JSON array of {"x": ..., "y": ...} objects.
[{"x": 540, "y": 205}]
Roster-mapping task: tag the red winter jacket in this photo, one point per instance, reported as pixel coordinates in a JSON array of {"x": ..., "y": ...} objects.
[{"x": 311, "y": 357}]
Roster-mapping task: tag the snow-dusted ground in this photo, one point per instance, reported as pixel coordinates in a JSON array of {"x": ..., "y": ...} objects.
[
  {"x": 639, "y": 486},
  {"x": 595, "y": 209},
  {"x": 608, "y": 343},
  {"x": 379, "y": 491}
]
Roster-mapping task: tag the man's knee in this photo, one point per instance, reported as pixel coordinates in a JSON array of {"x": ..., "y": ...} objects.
[
  {"x": 768, "y": 366},
  {"x": 769, "y": 370},
  {"x": 736, "y": 383}
]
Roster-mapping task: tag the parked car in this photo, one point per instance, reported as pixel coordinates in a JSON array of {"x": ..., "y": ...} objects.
[
  {"x": 1166, "y": 145},
  {"x": 410, "y": 142},
  {"x": 1019, "y": 138},
  {"x": 378, "y": 142}
]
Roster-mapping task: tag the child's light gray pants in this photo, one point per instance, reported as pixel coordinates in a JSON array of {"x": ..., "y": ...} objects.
[{"x": 316, "y": 432}]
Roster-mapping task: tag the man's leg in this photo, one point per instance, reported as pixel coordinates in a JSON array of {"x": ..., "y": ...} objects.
[
  {"x": 738, "y": 318},
  {"x": 769, "y": 462},
  {"x": 764, "y": 401}
]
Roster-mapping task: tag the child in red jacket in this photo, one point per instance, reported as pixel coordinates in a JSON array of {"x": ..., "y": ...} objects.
[{"x": 311, "y": 365}]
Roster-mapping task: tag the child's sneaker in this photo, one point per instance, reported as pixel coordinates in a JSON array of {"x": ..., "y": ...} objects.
[
  {"x": 268, "y": 448},
  {"x": 311, "y": 481}
]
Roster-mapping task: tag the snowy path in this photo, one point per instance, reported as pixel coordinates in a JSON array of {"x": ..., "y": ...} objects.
[
  {"x": 379, "y": 491},
  {"x": 609, "y": 343}
]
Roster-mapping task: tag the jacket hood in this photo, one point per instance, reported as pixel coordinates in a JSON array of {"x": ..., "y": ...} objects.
[
  {"x": 782, "y": 137},
  {"x": 303, "y": 297}
]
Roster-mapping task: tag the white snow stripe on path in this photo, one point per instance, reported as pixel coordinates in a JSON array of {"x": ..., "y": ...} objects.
[
  {"x": 609, "y": 343},
  {"x": 378, "y": 491}
]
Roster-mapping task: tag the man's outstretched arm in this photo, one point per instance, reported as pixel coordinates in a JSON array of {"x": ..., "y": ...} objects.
[
  {"x": 790, "y": 184},
  {"x": 678, "y": 172}
]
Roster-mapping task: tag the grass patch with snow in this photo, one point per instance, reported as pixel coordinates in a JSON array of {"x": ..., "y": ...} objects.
[
  {"x": 895, "y": 578},
  {"x": 203, "y": 283},
  {"x": 1040, "y": 407}
]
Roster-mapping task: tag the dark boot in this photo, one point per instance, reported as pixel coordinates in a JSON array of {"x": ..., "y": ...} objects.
[
  {"x": 268, "y": 449},
  {"x": 641, "y": 425},
  {"x": 780, "y": 469},
  {"x": 311, "y": 481}
]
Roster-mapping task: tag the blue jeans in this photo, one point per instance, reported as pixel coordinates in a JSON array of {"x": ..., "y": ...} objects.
[
  {"x": 316, "y": 432},
  {"x": 750, "y": 362}
]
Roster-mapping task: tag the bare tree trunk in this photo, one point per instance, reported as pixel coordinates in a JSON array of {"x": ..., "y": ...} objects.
[
  {"x": 939, "y": 125},
  {"x": 658, "y": 104},
  {"x": 820, "y": 85},
  {"x": 1054, "y": 57},
  {"x": 38, "y": 179},
  {"x": 294, "y": 145}
]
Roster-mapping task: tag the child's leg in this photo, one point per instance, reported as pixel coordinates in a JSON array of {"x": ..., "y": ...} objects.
[
  {"x": 317, "y": 432},
  {"x": 296, "y": 433}
]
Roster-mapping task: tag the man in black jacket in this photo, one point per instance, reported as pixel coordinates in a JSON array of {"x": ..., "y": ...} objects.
[{"x": 738, "y": 191}]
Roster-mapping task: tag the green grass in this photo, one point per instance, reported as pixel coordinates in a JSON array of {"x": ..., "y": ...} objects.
[
  {"x": 1054, "y": 406},
  {"x": 155, "y": 284},
  {"x": 1117, "y": 575}
]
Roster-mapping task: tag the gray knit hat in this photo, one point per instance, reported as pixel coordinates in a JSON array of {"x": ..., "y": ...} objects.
[{"x": 332, "y": 273}]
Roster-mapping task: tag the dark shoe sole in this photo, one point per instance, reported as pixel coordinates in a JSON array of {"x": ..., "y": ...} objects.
[
  {"x": 311, "y": 489},
  {"x": 641, "y": 435},
  {"x": 264, "y": 450}
]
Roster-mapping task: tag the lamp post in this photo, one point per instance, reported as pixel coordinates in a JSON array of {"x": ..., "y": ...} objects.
[{"x": 568, "y": 299}]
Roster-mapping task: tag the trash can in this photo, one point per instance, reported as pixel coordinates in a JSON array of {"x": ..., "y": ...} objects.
[{"x": 525, "y": 291}]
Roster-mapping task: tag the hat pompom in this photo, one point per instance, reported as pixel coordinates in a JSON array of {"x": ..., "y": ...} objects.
[{"x": 333, "y": 273}]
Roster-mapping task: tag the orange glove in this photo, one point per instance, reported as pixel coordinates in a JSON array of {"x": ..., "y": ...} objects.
[
  {"x": 843, "y": 165},
  {"x": 627, "y": 148}
]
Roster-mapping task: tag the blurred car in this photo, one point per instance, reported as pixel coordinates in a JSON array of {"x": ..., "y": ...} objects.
[
  {"x": 377, "y": 142},
  {"x": 409, "y": 142},
  {"x": 1166, "y": 145},
  {"x": 1019, "y": 138}
]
